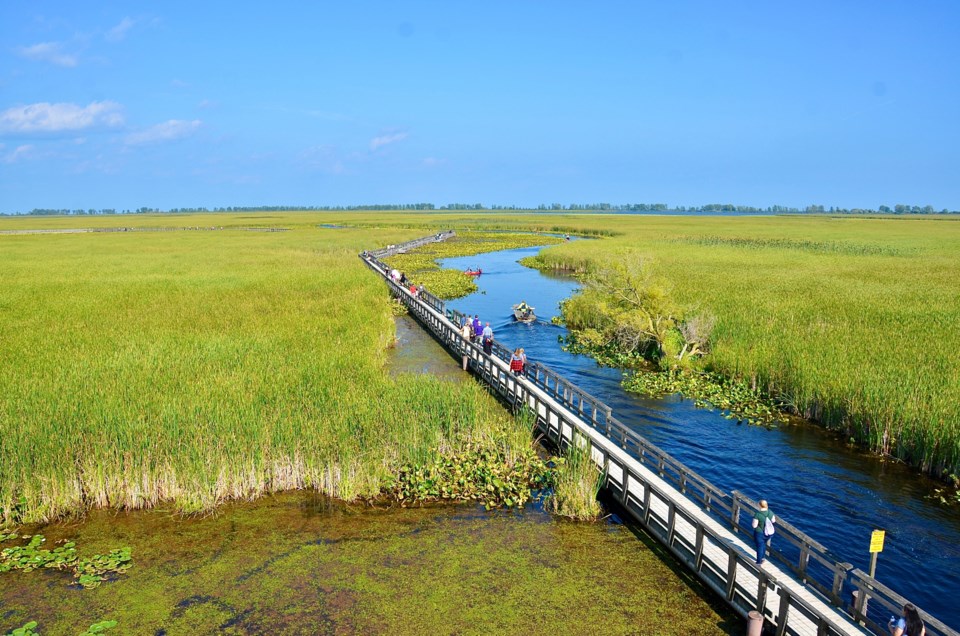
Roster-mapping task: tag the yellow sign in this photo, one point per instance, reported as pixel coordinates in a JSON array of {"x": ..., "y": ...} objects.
[{"x": 876, "y": 541}]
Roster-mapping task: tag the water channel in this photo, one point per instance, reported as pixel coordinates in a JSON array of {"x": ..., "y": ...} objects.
[{"x": 835, "y": 494}]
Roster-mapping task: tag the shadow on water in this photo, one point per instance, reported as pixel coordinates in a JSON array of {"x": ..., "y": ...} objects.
[
  {"x": 836, "y": 494},
  {"x": 415, "y": 351},
  {"x": 299, "y": 563}
]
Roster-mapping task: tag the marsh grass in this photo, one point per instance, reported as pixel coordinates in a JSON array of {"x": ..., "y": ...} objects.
[
  {"x": 196, "y": 367},
  {"x": 576, "y": 483}
]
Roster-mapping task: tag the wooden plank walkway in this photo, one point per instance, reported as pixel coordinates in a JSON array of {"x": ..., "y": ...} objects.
[{"x": 700, "y": 524}]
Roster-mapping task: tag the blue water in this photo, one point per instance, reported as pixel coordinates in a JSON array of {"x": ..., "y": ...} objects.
[{"x": 833, "y": 493}]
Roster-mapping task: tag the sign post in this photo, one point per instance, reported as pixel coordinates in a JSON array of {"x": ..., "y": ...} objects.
[{"x": 876, "y": 547}]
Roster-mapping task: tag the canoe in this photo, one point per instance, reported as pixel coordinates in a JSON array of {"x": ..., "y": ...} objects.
[{"x": 473, "y": 272}]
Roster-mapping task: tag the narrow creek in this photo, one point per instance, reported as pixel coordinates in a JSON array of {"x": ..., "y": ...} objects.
[{"x": 835, "y": 494}]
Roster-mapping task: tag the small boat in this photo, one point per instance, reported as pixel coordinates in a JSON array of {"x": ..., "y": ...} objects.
[
  {"x": 473, "y": 272},
  {"x": 523, "y": 313}
]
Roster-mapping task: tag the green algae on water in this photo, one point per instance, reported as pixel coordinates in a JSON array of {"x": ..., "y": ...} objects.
[{"x": 302, "y": 563}]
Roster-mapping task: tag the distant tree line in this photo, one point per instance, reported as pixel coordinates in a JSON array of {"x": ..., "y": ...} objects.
[{"x": 543, "y": 207}]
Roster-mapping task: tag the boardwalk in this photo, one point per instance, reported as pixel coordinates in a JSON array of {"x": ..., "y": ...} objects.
[{"x": 806, "y": 592}]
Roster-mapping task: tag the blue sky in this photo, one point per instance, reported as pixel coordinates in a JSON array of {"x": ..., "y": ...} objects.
[{"x": 174, "y": 104}]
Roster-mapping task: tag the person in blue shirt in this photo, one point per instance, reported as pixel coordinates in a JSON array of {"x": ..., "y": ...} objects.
[
  {"x": 487, "y": 339},
  {"x": 910, "y": 624}
]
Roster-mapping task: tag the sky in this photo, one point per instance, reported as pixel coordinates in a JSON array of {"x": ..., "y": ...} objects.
[{"x": 212, "y": 104}]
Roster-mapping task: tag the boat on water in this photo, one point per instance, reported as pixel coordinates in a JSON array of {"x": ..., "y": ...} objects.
[
  {"x": 473, "y": 272},
  {"x": 522, "y": 312}
]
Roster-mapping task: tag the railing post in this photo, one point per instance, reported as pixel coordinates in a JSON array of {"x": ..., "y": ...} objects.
[
  {"x": 698, "y": 556},
  {"x": 671, "y": 522},
  {"x": 784, "y": 613},
  {"x": 839, "y": 578},
  {"x": 860, "y": 599},
  {"x": 735, "y": 512},
  {"x": 731, "y": 570},
  {"x": 647, "y": 503},
  {"x": 804, "y": 559},
  {"x": 762, "y": 578}
]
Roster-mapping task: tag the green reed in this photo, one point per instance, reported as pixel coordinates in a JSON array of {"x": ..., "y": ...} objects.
[
  {"x": 197, "y": 366},
  {"x": 576, "y": 483}
]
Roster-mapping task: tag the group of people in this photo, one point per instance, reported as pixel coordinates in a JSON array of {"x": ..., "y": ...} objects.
[
  {"x": 400, "y": 278},
  {"x": 476, "y": 331}
]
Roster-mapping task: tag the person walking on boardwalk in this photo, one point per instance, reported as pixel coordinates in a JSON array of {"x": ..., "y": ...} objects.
[
  {"x": 477, "y": 327},
  {"x": 763, "y": 530},
  {"x": 910, "y": 624},
  {"x": 516, "y": 361},
  {"x": 487, "y": 334},
  {"x": 466, "y": 331}
]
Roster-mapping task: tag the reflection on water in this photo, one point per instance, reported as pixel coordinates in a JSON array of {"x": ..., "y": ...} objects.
[
  {"x": 415, "y": 351},
  {"x": 834, "y": 493}
]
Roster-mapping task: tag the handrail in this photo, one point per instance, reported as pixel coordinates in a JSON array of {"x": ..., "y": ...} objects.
[{"x": 829, "y": 579}]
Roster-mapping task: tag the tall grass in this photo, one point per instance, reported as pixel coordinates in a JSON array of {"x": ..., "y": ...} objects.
[
  {"x": 576, "y": 485},
  {"x": 198, "y": 366}
]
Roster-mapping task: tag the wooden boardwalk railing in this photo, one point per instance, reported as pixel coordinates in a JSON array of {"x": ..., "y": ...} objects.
[{"x": 802, "y": 589}]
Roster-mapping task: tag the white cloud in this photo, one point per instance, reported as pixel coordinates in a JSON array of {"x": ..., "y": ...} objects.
[
  {"x": 384, "y": 140},
  {"x": 45, "y": 117},
  {"x": 18, "y": 153},
  {"x": 167, "y": 131},
  {"x": 431, "y": 162},
  {"x": 119, "y": 32},
  {"x": 48, "y": 52}
]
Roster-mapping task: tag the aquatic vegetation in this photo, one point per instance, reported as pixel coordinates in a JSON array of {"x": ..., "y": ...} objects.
[
  {"x": 299, "y": 561},
  {"x": 709, "y": 390},
  {"x": 26, "y": 630},
  {"x": 89, "y": 573},
  {"x": 576, "y": 484},
  {"x": 97, "y": 628},
  {"x": 475, "y": 473}
]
